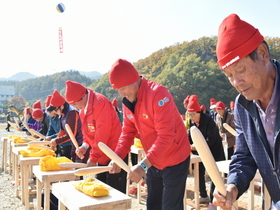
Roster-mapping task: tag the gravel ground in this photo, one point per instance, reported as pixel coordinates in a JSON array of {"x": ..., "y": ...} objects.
[{"x": 8, "y": 200}]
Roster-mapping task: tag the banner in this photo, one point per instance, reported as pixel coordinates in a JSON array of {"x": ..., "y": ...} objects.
[{"x": 60, "y": 38}]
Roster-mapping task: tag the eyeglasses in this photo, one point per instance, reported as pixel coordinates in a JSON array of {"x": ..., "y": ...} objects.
[{"x": 57, "y": 108}]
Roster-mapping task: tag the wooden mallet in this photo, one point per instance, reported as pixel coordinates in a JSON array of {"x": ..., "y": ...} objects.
[
  {"x": 72, "y": 137},
  {"x": 27, "y": 127},
  {"x": 92, "y": 170},
  {"x": 31, "y": 138},
  {"x": 16, "y": 121},
  {"x": 39, "y": 147},
  {"x": 36, "y": 133},
  {"x": 207, "y": 159},
  {"x": 13, "y": 125},
  {"x": 25, "y": 139},
  {"x": 72, "y": 165},
  {"x": 229, "y": 129},
  {"x": 113, "y": 156},
  {"x": 36, "y": 143}
]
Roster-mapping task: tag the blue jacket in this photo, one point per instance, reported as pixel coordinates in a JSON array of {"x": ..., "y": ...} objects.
[
  {"x": 253, "y": 151},
  {"x": 54, "y": 127}
]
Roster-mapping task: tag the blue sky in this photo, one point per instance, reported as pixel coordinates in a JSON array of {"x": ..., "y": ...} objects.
[{"x": 98, "y": 32}]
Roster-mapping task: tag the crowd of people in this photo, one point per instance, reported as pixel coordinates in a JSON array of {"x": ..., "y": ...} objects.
[{"x": 150, "y": 114}]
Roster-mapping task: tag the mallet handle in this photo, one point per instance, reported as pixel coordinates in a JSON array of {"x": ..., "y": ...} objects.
[{"x": 113, "y": 156}]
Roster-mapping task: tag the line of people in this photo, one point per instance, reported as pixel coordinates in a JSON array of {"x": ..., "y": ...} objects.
[{"x": 91, "y": 117}]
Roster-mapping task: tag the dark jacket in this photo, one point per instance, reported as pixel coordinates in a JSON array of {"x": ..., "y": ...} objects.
[
  {"x": 252, "y": 149},
  {"x": 229, "y": 119},
  {"x": 45, "y": 124}
]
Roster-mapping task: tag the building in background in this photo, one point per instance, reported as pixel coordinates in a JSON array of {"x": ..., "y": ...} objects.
[{"x": 6, "y": 93}]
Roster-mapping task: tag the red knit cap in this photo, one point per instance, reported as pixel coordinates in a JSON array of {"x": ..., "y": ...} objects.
[
  {"x": 212, "y": 101},
  {"x": 57, "y": 100},
  {"x": 37, "y": 113},
  {"x": 202, "y": 107},
  {"x": 48, "y": 101},
  {"x": 236, "y": 39},
  {"x": 115, "y": 103},
  {"x": 193, "y": 106},
  {"x": 37, "y": 105},
  {"x": 186, "y": 101},
  {"x": 122, "y": 74},
  {"x": 74, "y": 91},
  {"x": 27, "y": 110},
  {"x": 193, "y": 98},
  {"x": 220, "y": 105}
]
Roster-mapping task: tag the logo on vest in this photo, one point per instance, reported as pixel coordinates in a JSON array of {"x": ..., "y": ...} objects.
[
  {"x": 91, "y": 127},
  {"x": 163, "y": 101}
]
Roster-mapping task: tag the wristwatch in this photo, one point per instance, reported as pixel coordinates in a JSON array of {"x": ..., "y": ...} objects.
[{"x": 143, "y": 165}]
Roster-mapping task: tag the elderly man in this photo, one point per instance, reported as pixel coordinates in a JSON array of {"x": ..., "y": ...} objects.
[
  {"x": 149, "y": 110},
  {"x": 243, "y": 56}
]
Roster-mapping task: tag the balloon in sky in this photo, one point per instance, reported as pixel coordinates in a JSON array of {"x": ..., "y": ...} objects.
[{"x": 60, "y": 8}]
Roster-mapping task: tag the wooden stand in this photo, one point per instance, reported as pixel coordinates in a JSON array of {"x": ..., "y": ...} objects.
[
  {"x": 26, "y": 163},
  {"x": 195, "y": 159},
  {"x": 4, "y": 153},
  {"x": 44, "y": 180},
  {"x": 15, "y": 167},
  {"x": 73, "y": 199}
]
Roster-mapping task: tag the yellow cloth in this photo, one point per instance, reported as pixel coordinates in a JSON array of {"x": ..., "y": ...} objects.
[
  {"x": 17, "y": 139},
  {"x": 137, "y": 143},
  {"x": 50, "y": 163},
  {"x": 92, "y": 188},
  {"x": 187, "y": 122},
  {"x": 31, "y": 152}
]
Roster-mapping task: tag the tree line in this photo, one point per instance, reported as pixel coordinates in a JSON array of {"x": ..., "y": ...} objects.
[{"x": 184, "y": 68}]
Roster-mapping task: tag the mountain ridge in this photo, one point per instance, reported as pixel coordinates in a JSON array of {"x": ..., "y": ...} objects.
[{"x": 20, "y": 76}]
